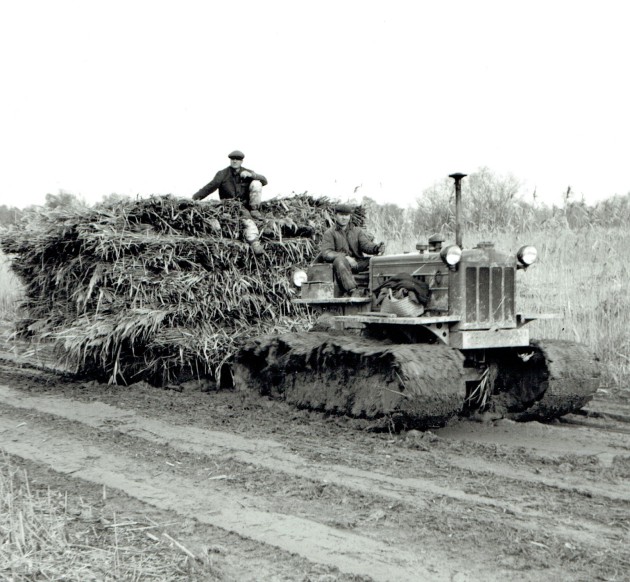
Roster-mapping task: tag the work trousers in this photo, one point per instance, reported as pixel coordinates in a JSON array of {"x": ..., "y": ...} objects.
[
  {"x": 344, "y": 271},
  {"x": 250, "y": 230},
  {"x": 255, "y": 194}
]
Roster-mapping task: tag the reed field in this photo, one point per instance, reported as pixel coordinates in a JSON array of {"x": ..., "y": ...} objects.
[{"x": 584, "y": 277}]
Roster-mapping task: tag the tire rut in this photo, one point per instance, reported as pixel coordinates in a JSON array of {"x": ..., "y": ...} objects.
[
  {"x": 272, "y": 455},
  {"x": 236, "y": 512},
  {"x": 464, "y": 510}
]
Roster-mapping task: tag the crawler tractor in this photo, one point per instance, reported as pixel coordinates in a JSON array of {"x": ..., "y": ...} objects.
[{"x": 387, "y": 358}]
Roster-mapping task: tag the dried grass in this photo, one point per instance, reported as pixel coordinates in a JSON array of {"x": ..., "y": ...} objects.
[
  {"x": 160, "y": 289},
  {"x": 45, "y": 535},
  {"x": 10, "y": 290}
]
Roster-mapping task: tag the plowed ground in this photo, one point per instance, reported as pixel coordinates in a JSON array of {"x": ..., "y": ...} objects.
[{"x": 254, "y": 489}]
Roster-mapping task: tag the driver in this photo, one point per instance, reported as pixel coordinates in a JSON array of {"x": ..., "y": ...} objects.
[{"x": 344, "y": 246}]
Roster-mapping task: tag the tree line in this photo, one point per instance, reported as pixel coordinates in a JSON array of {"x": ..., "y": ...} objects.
[{"x": 491, "y": 203}]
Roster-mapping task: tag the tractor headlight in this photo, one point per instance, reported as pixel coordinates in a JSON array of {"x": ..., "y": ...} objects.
[
  {"x": 299, "y": 277},
  {"x": 451, "y": 255},
  {"x": 527, "y": 255}
]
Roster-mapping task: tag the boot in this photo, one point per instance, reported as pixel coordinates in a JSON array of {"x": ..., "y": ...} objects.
[
  {"x": 254, "y": 206},
  {"x": 250, "y": 230},
  {"x": 257, "y": 247}
]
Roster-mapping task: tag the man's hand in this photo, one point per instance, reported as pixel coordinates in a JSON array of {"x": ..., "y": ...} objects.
[
  {"x": 246, "y": 174},
  {"x": 353, "y": 262},
  {"x": 380, "y": 248}
]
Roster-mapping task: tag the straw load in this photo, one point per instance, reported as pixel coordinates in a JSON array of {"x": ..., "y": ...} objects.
[{"x": 162, "y": 289}]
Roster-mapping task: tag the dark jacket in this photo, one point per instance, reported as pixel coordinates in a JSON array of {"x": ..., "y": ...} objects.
[
  {"x": 351, "y": 242},
  {"x": 230, "y": 185}
]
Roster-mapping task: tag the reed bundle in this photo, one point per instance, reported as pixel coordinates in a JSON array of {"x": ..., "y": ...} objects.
[{"x": 160, "y": 289}]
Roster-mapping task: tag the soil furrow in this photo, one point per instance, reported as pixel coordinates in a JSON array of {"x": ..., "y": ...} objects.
[
  {"x": 271, "y": 455},
  {"x": 236, "y": 513},
  {"x": 473, "y": 501},
  {"x": 221, "y": 556},
  {"x": 268, "y": 454}
]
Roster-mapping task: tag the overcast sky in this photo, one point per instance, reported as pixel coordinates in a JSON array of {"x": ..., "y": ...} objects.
[{"x": 385, "y": 97}]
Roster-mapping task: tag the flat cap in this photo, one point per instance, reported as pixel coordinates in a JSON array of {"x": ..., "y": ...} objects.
[
  {"x": 344, "y": 209},
  {"x": 236, "y": 155}
]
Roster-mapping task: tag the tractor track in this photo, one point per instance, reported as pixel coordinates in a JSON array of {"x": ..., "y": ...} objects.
[
  {"x": 618, "y": 428},
  {"x": 473, "y": 501}
]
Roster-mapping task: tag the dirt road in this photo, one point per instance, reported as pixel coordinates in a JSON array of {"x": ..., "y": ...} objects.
[{"x": 294, "y": 495}]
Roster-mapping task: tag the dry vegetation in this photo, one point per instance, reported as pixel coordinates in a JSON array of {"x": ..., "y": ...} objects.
[
  {"x": 159, "y": 289},
  {"x": 46, "y": 535},
  {"x": 10, "y": 291}
]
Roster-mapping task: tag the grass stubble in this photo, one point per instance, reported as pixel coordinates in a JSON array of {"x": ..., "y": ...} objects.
[{"x": 45, "y": 535}]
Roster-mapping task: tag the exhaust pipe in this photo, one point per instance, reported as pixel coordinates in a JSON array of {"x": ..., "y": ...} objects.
[{"x": 458, "y": 207}]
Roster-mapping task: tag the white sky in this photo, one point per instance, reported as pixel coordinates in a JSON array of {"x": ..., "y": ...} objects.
[{"x": 141, "y": 97}]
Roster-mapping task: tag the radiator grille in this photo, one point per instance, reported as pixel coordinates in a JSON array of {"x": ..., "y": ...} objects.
[{"x": 489, "y": 295}]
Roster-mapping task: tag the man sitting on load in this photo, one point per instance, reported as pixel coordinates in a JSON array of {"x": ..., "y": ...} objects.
[
  {"x": 236, "y": 182},
  {"x": 345, "y": 245}
]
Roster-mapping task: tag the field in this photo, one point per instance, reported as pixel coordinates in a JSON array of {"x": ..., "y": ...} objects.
[{"x": 134, "y": 483}]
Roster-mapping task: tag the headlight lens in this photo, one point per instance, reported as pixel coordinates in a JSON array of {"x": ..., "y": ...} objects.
[
  {"x": 299, "y": 277},
  {"x": 527, "y": 255},
  {"x": 451, "y": 255}
]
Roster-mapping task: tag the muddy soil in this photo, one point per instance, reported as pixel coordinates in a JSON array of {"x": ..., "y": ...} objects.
[{"x": 278, "y": 493}]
